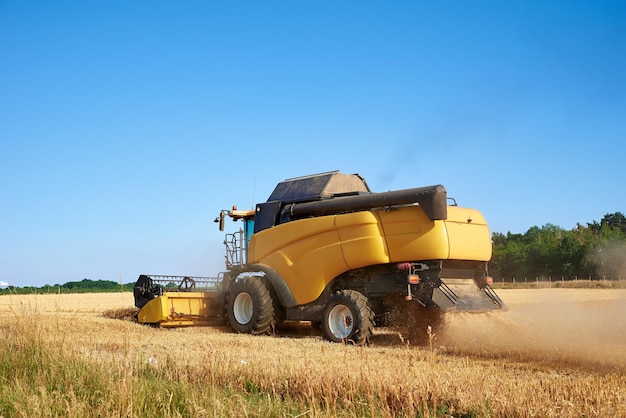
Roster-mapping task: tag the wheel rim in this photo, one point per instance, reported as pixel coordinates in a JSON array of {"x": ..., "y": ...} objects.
[
  {"x": 340, "y": 321},
  {"x": 242, "y": 308}
]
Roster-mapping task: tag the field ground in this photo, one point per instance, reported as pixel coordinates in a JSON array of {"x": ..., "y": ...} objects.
[{"x": 555, "y": 352}]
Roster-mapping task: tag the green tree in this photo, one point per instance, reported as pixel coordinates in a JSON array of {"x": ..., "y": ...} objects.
[
  {"x": 614, "y": 221},
  {"x": 509, "y": 256},
  {"x": 597, "y": 249}
]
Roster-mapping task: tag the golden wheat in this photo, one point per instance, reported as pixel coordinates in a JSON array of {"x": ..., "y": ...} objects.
[{"x": 529, "y": 361}]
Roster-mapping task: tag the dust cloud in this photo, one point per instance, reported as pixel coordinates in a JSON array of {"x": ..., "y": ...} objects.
[
  {"x": 581, "y": 327},
  {"x": 609, "y": 259}
]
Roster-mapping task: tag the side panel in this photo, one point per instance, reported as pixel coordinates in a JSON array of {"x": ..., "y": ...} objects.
[
  {"x": 306, "y": 253},
  {"x": 309, "y": 253},
  {"x": 362, "y": 239},
  {"x": 469, "y": 235},
  {"x": 412, "y": 236}
]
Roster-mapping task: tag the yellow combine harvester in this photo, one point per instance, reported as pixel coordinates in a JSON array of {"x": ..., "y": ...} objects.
[{"x": 324, "y": 248}]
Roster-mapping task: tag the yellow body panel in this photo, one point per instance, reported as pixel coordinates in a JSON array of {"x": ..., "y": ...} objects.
[
  {"x": 299, "y": 249},
  {"x": 468, "y": 234},
  {"x": 179, "y": 309},
  {"x": 362, "y": 240},
  {"x": 309, "y": 253},
  {"x": 412, "y": 236}
]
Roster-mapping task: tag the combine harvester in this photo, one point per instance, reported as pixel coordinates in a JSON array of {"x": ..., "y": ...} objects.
[{"x": 325, "y": 249}]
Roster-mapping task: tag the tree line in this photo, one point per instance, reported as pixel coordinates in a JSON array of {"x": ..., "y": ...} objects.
[
  {"x": 596, "y": 250},
  {"x": 83, "y": 286}
]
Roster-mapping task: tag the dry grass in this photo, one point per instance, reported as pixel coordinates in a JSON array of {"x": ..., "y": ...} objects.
[{"x": 556, "y": 352}]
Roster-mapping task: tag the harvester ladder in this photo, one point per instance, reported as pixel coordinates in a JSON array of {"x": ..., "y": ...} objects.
[{"x": 235, "y": 248}]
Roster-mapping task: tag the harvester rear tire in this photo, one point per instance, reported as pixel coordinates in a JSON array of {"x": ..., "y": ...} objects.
[
  {"x": 250, "y": 307},
  {"x": 347, "y": 318}
]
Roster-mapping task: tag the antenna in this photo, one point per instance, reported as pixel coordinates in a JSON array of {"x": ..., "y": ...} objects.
[{"x": 254, "y": 191}]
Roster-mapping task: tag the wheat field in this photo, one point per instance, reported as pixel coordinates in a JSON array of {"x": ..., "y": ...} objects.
[{"x": 555, "y": 352}]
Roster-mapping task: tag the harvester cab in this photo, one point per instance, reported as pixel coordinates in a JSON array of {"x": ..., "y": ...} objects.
[{"x": 326, "y": 249}]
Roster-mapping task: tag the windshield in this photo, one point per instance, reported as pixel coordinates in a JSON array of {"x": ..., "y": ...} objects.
[{"x": 249, "y": 227}]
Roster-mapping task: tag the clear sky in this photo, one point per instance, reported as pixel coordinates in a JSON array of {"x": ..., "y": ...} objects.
[{"x": 125, "y": 126}]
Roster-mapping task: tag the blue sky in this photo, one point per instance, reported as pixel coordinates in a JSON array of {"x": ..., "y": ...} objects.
[{"x": 126, "y": 126}]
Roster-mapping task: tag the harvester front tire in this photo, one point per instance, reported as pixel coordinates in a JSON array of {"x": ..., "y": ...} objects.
[
  {"x": 347, "y": 318},
  {"x": 250, "y": 307}
]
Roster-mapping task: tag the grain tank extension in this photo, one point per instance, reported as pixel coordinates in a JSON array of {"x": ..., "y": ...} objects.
[{"x": 324, "y": 248}]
